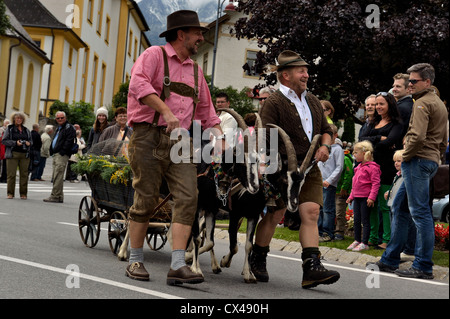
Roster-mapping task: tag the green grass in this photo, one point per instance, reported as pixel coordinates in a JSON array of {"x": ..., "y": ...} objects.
[{"x": 440, "y": 258}]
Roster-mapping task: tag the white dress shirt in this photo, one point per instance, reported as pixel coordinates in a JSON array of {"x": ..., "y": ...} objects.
[{"x": 302, "y": 108}]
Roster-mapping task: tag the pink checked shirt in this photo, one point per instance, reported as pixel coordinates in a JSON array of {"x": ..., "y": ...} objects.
[{"x": 147, "y": 78}]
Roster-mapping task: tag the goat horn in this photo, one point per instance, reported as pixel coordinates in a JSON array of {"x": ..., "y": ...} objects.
[
  {"x": 239, "y": 119},
  {"x": 258, "y": 122},
  {"x": 290, "y": 150},
  {"x": 310, "y": 153}
]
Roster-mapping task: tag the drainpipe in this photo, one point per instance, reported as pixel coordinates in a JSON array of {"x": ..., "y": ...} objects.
[
  {"x": 49, "y": 74},
  {"x": 9, "y": 71}
]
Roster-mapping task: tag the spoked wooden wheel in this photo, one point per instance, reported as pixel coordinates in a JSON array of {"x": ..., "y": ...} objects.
[
  {"x": 156, "y": 237},
  {"x": 117, "y": 229},
  {"x": 89, "y": 221}
]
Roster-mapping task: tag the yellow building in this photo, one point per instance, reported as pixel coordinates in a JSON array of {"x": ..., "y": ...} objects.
[
  {"x": 21, "y": 65},
  {"x": 92, "y": 43}
]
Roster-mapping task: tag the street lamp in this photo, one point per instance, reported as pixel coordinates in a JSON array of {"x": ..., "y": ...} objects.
[{"x": 219, "y": 7}]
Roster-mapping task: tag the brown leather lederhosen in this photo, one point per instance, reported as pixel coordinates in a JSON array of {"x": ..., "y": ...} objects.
[{"x": 147, "y": 181}]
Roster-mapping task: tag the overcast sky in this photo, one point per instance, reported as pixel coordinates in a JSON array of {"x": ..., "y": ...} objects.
[{"x": 197, "y": 3}]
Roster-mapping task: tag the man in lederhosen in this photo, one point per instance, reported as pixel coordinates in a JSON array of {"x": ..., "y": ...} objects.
[
  {"x": 301, "y": 115},
  {"x": 167, "y": 91}
]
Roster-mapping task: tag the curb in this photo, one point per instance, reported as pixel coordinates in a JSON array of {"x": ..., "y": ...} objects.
[{"x": 331, "y": 254}]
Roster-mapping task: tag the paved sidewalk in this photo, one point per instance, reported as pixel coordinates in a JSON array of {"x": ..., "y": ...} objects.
[{"x": 332, "y": 254}]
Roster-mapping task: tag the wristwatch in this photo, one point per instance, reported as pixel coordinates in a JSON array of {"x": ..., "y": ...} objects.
[
  {"x": 220, "y": 137},
  {"x": 327, "y": 146}
]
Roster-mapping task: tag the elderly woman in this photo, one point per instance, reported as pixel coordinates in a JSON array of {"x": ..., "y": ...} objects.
[
  {"x": 17, "y": 139},
  {"x": 120, "y": 132}
]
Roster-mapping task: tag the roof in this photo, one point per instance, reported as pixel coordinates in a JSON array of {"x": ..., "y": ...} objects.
[
  {"x": 32, "y": 13},
  {"x": 20, "y": 33}
]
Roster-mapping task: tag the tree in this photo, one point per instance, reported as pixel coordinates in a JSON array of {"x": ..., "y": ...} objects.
[
  {"x": 120, "y": 99},
  {"x": 239, "y": 101},
  {"x": 349, "y": 130},
  {"x": 81, "y": 113},
  {"x": 4, "y": 19},
  {"x": 350, "y": 54}
]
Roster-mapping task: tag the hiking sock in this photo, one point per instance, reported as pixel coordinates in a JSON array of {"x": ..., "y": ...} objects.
[
  {"x": 136, "y": 255},
  {"x": 178, "y": 259},
  {"x": 310, "y": 252}
]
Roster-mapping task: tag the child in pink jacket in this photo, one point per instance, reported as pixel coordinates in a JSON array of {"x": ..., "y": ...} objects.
[{"x": 365, "y": 185}]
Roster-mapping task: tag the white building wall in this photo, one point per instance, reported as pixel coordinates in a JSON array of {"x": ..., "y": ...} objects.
[
  {"x": 46, "y": 46},
  {"x": 230, "y": 57},
  {"x": 33, "y": 116}
]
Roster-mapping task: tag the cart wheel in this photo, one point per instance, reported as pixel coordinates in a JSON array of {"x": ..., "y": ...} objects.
[
  {"x": 117, "y": 229},
  {"x": 156, "y": 237},
  {"x": 89, "y": 221}
]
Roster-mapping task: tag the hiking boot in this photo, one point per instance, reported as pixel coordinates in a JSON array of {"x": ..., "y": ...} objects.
[
  {"x": 137, "y": 271},
  {"x": 414, "y": 273},
  {"x": 381, "y": 266},
  {"x": 258, "y": 257},
  {"x": 314, "y": 273}
]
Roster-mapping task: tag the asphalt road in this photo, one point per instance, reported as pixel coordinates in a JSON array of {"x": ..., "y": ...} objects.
[{"x": 42, "y": 256}]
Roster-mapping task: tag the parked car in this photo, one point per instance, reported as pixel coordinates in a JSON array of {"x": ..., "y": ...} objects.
[{"x": 440, "y": 209}]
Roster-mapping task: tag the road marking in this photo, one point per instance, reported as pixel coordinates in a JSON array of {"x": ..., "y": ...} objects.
[
  {"x": 76, "y": 225},
  {"x": 339, "y": 266},
  {"x": 46, "y": 188},
  {"x": 93, "y": 278},
  {"x": 366, "y": 271}
]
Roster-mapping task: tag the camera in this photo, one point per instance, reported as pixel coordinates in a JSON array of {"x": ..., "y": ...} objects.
[{"x": 24, "y": 145}]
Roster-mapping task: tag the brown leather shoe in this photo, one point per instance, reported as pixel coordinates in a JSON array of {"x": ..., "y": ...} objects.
[
  {"x": 184, "y": 275},
  {"x": 52, "y": 200},
  {"x": 137, "y": 271}
]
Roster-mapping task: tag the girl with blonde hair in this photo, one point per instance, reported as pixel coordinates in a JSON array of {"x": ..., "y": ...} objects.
[{"x": 365, "y": 186}]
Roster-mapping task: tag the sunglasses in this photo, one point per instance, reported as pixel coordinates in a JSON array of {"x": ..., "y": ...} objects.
[
  {"x": 383, "y": 94},
  {"x": 262, "y": 98},
  {"x": 60, "y": 118},
  {"x": 414, "y": 81}
]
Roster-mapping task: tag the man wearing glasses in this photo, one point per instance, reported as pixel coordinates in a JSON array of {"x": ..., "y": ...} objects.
[
  {"x": 425, "y": 144},
  {"x": 60, "y": 149}
]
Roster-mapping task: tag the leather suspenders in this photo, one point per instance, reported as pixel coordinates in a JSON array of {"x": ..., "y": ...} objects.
[{"x": 177, "y": 87}]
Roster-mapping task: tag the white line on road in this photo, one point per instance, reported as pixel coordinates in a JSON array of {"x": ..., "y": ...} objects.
[
  {"x": 93, "y": 278},
  {"x": 366, "y": 271},
  {"x": 76, "y": 225},
  {"x": 339, "y": 266}
]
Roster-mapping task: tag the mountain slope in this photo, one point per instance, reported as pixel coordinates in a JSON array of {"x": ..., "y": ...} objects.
[{"x": 156, "y": 12}]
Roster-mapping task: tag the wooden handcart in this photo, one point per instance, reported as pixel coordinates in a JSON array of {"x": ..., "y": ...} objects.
[{"x": 110, "y": 203}]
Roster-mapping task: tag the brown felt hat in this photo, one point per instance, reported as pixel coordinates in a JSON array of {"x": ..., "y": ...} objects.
[
  {"x": 289, "y": 58},
  {"x": 182, "y": 19}
]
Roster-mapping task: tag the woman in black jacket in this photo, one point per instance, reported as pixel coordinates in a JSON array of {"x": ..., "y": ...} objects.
[
  {"x": 18, "y": 141},
  {"x": 385, "y": 132}
]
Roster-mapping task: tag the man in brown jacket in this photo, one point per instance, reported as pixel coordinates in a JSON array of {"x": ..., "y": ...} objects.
[{"x": 301, "y": 115}]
